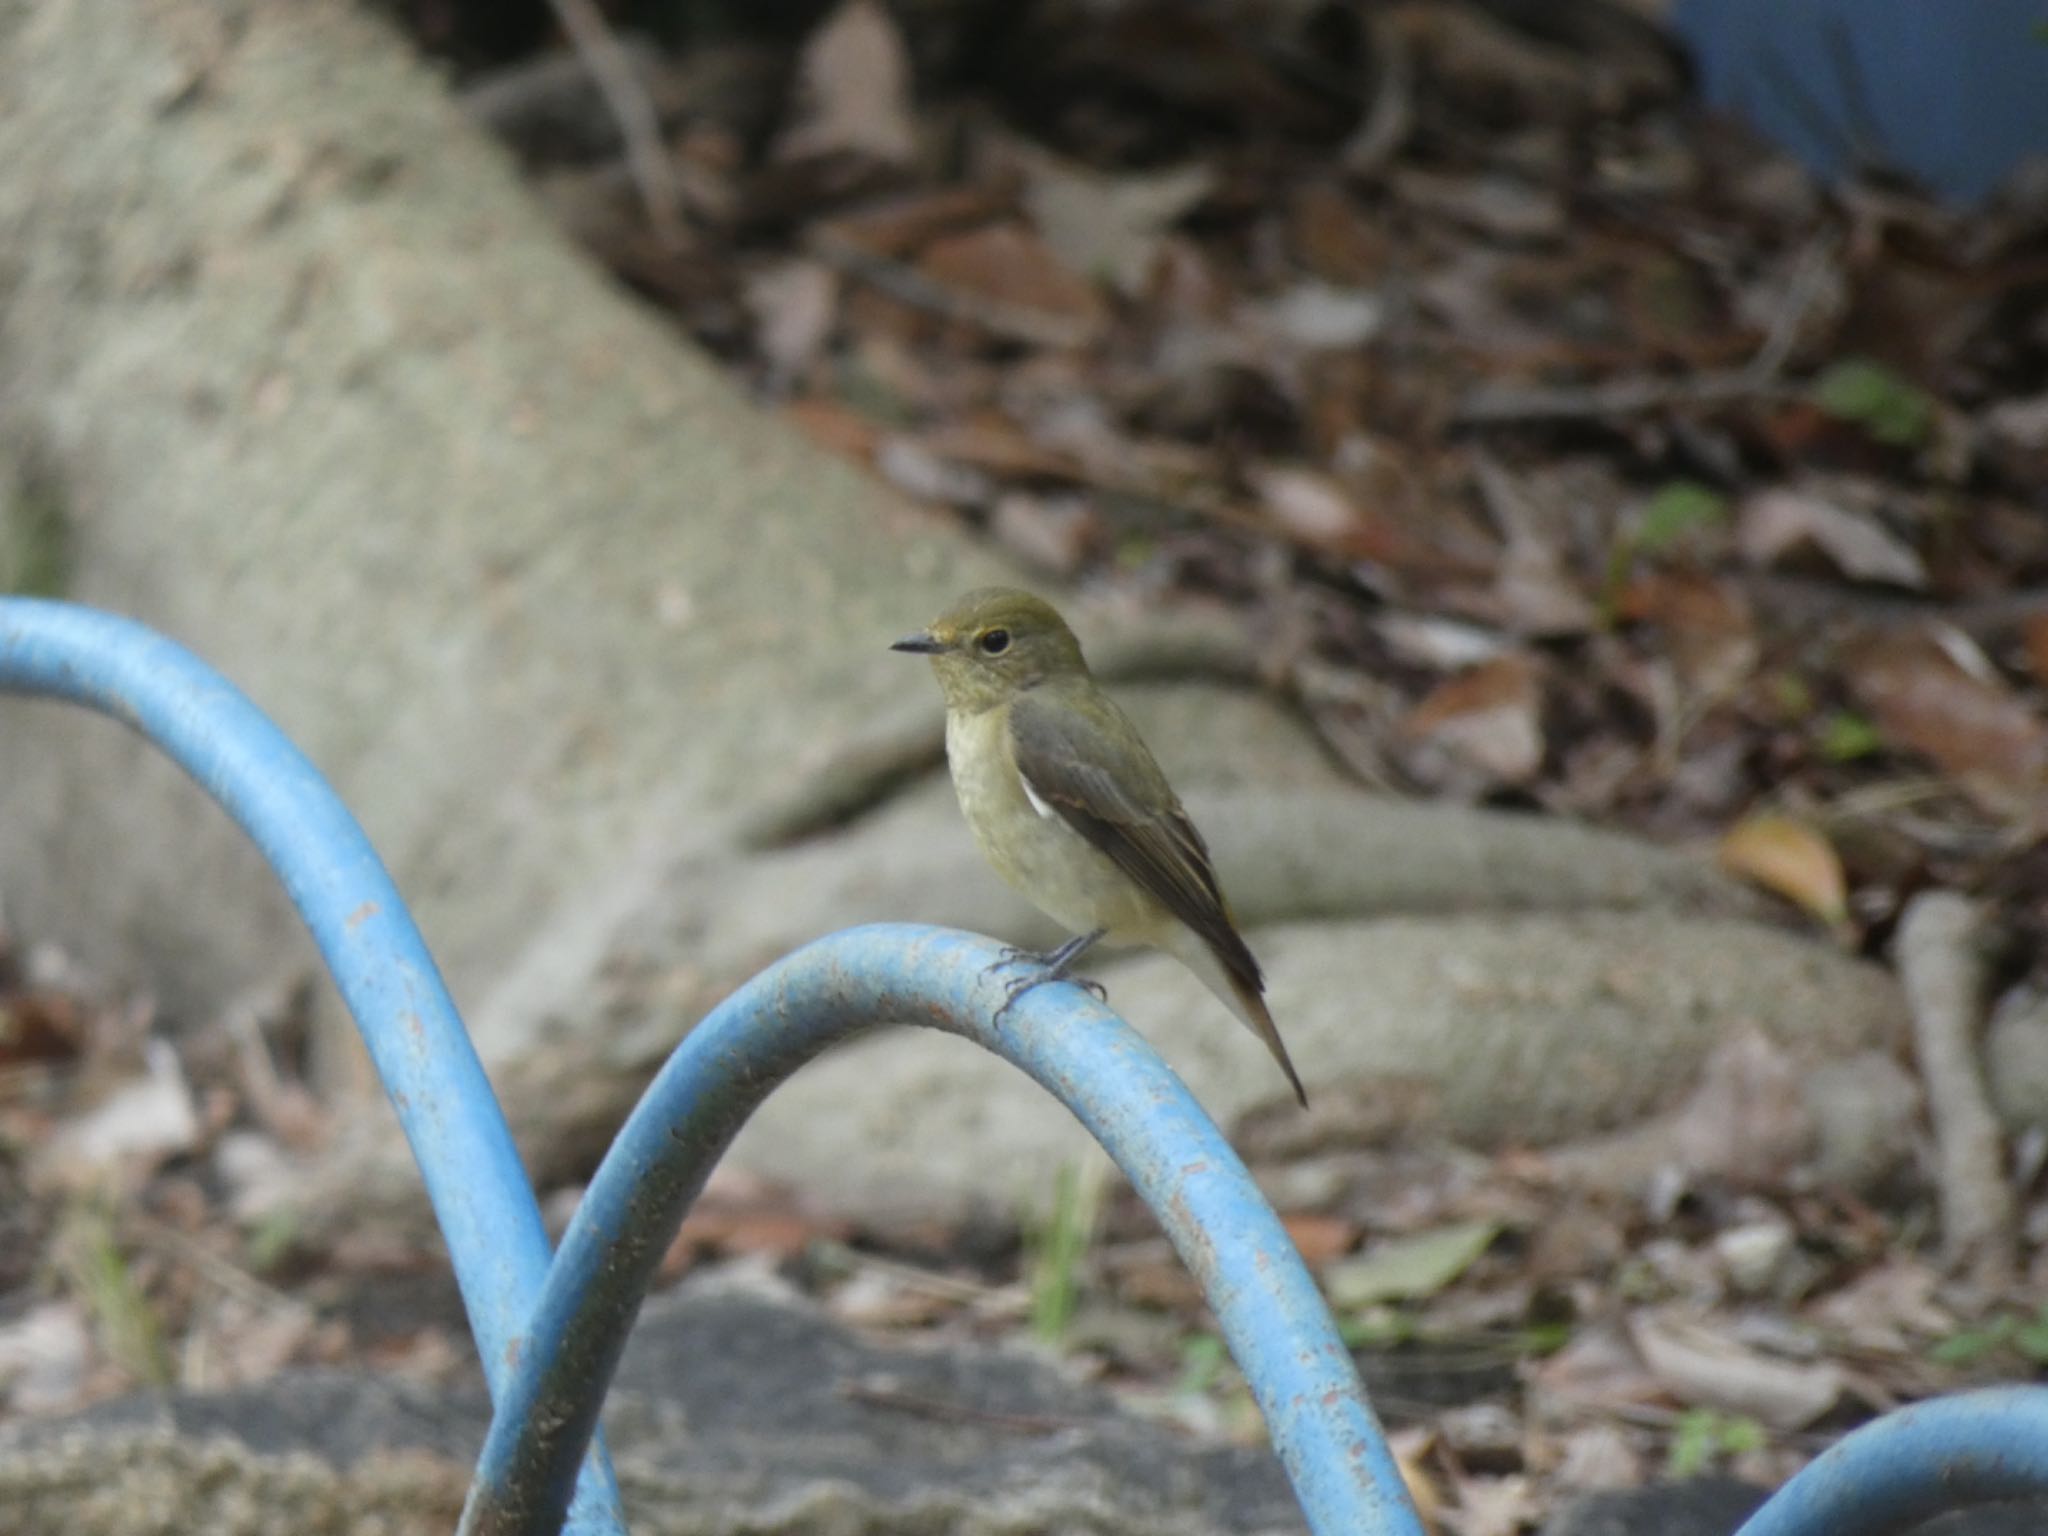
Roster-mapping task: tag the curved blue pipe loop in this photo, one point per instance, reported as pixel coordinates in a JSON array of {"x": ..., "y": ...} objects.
[
  {"x": 473, "y": 1175},
  {"x": 1896, "y": 1473},
  {"x": 1885, "y": 1478},
  {"x": 1116, "y": 1085}
]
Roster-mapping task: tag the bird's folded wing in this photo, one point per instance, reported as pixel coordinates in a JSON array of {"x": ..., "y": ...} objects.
[{"x": 1086, "y": 762}]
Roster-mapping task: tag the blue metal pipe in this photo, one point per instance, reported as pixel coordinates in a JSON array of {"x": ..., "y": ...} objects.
[
  {"x": 549, "y": 1377},
  {"x": 1895, "y": 1473},
  {"x": 473, "y": 1175},
  {"x": 1116, "y": 1085}
]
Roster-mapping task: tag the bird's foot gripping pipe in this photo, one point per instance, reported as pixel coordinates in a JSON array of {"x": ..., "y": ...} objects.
[{"x": 1054, "y": 965}]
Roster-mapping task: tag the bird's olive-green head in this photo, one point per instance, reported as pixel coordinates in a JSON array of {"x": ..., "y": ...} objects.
[{"x": 994, "y": 643}]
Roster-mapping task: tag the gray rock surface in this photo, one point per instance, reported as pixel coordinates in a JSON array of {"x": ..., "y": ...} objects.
[
  {"x": 1697, "y": 1506},
  {"x": 737, "y": 1412},
  {"x": 1494, "y": 1030},
  {"x": 734, "y": 1413},
  {"x": 2016, "y": 1057}
]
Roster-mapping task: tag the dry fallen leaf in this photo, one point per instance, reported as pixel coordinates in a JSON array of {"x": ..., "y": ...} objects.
[
  {"x": 1486, "y": 1435},
  {"x": 1412, "y": 1446},
  {"x": 1534, "y": 591},
  {"x": 241, "y": 1340},
  {"x": 1792, "y": 859},
  {"x": 2022, "y": 423},
  {"x": 741, "y": 1213},
  {"x": 1776, "y": 523},
  {"x": 1597, "y": 1370},
  {"x": 1576, "y": 1237},
  {"x": 1711, "y": 636},
  {"x": 1054, "y": 533},
  {"x": 1505, "y": 206},
  {"x": 1495, "y": 1506},
  {"x": 1334, "y": 236},
  {"x": 141, "y": 1123},
  {"x": 835, "y": 427},
  {"x": 1758, "y": 1255},
  {"x": 1320, "y": 1236},
  {"x": 1005, "y": 278},
  {"x": 922, "y": 475},
  {"x": 44, "y": 1353},
  {"x": 1597, "y": 1456},
  {"x": 1148, "y": 1273},
  {"x": 1411, "y": 1267},
  {"x": 794, "y": 304},
  {"x": 1892, "y": 1308},
  {"x": 881, "y": 1298},
  {"x": 2034, "y": 634},
  {"x": 899, "y": 225},
  {"x": 1426, "y": 640},
  {"x": 39, "y": 1026},
  {"x": 853, "y": 89},
  {"x": 1535, "y": 595},
  {"x": 1963, "y": 718},
  {"x": 1315, "y": 510},
  {"x": 1317, "y": 317},
  {"x": 1109, "y": 227},
  {"x": 1701, "y": 1364},
  {"x": 998, "y": 445},
  {"x": 1747, "y": 1120},
  {"x": 1489, "y": 718}
]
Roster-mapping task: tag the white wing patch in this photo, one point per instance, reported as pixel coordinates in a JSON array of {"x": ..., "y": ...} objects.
[{"x": 1037, "y": 804}]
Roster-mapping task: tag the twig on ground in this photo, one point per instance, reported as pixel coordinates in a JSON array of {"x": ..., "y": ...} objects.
[
  {"x": 611, "y": 67},
  {"x": 282, "y": 1107},
  {"x": 536, "y": 105},
  {"x": 907, "y": 285},
  {"x": 883, "y": 1394},
  {"x": 931, "y": 1282},
  {"x": 228, "y": 1276},
  {"x": 1757, "y": 379},
  {"x": 1509, "y": 405},
  {"x": 1809, "y": 282},
  {"x": 1791, "y": 599},
  {"x": 1941, "y": 965},
  {"x": 1391, "y": 113}
]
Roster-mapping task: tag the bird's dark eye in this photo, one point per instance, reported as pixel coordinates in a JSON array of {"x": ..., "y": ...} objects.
[{"x": 994, "y": 642}]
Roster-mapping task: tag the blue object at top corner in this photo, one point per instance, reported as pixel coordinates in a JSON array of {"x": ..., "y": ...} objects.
[{"x": 1952, "y": 94}]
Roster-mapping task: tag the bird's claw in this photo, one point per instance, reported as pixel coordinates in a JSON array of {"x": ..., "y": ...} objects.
[
  {"x": 1011, "y": 955},
  {"x": 1017, "y": 986}
]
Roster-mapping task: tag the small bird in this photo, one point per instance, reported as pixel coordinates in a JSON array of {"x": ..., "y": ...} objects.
[{"x": 1069, "y": 806}]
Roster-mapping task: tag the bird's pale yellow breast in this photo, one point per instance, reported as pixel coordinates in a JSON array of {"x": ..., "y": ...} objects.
[
  {"x": 984, "y": 765},
  {"x": 1030, "y": 846}
]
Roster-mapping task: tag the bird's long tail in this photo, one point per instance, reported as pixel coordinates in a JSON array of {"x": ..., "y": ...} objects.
[{"x": 1242, "y": 996}]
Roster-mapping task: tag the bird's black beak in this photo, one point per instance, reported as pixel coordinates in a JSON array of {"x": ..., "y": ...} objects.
[{"x": 920, "y": 644}]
